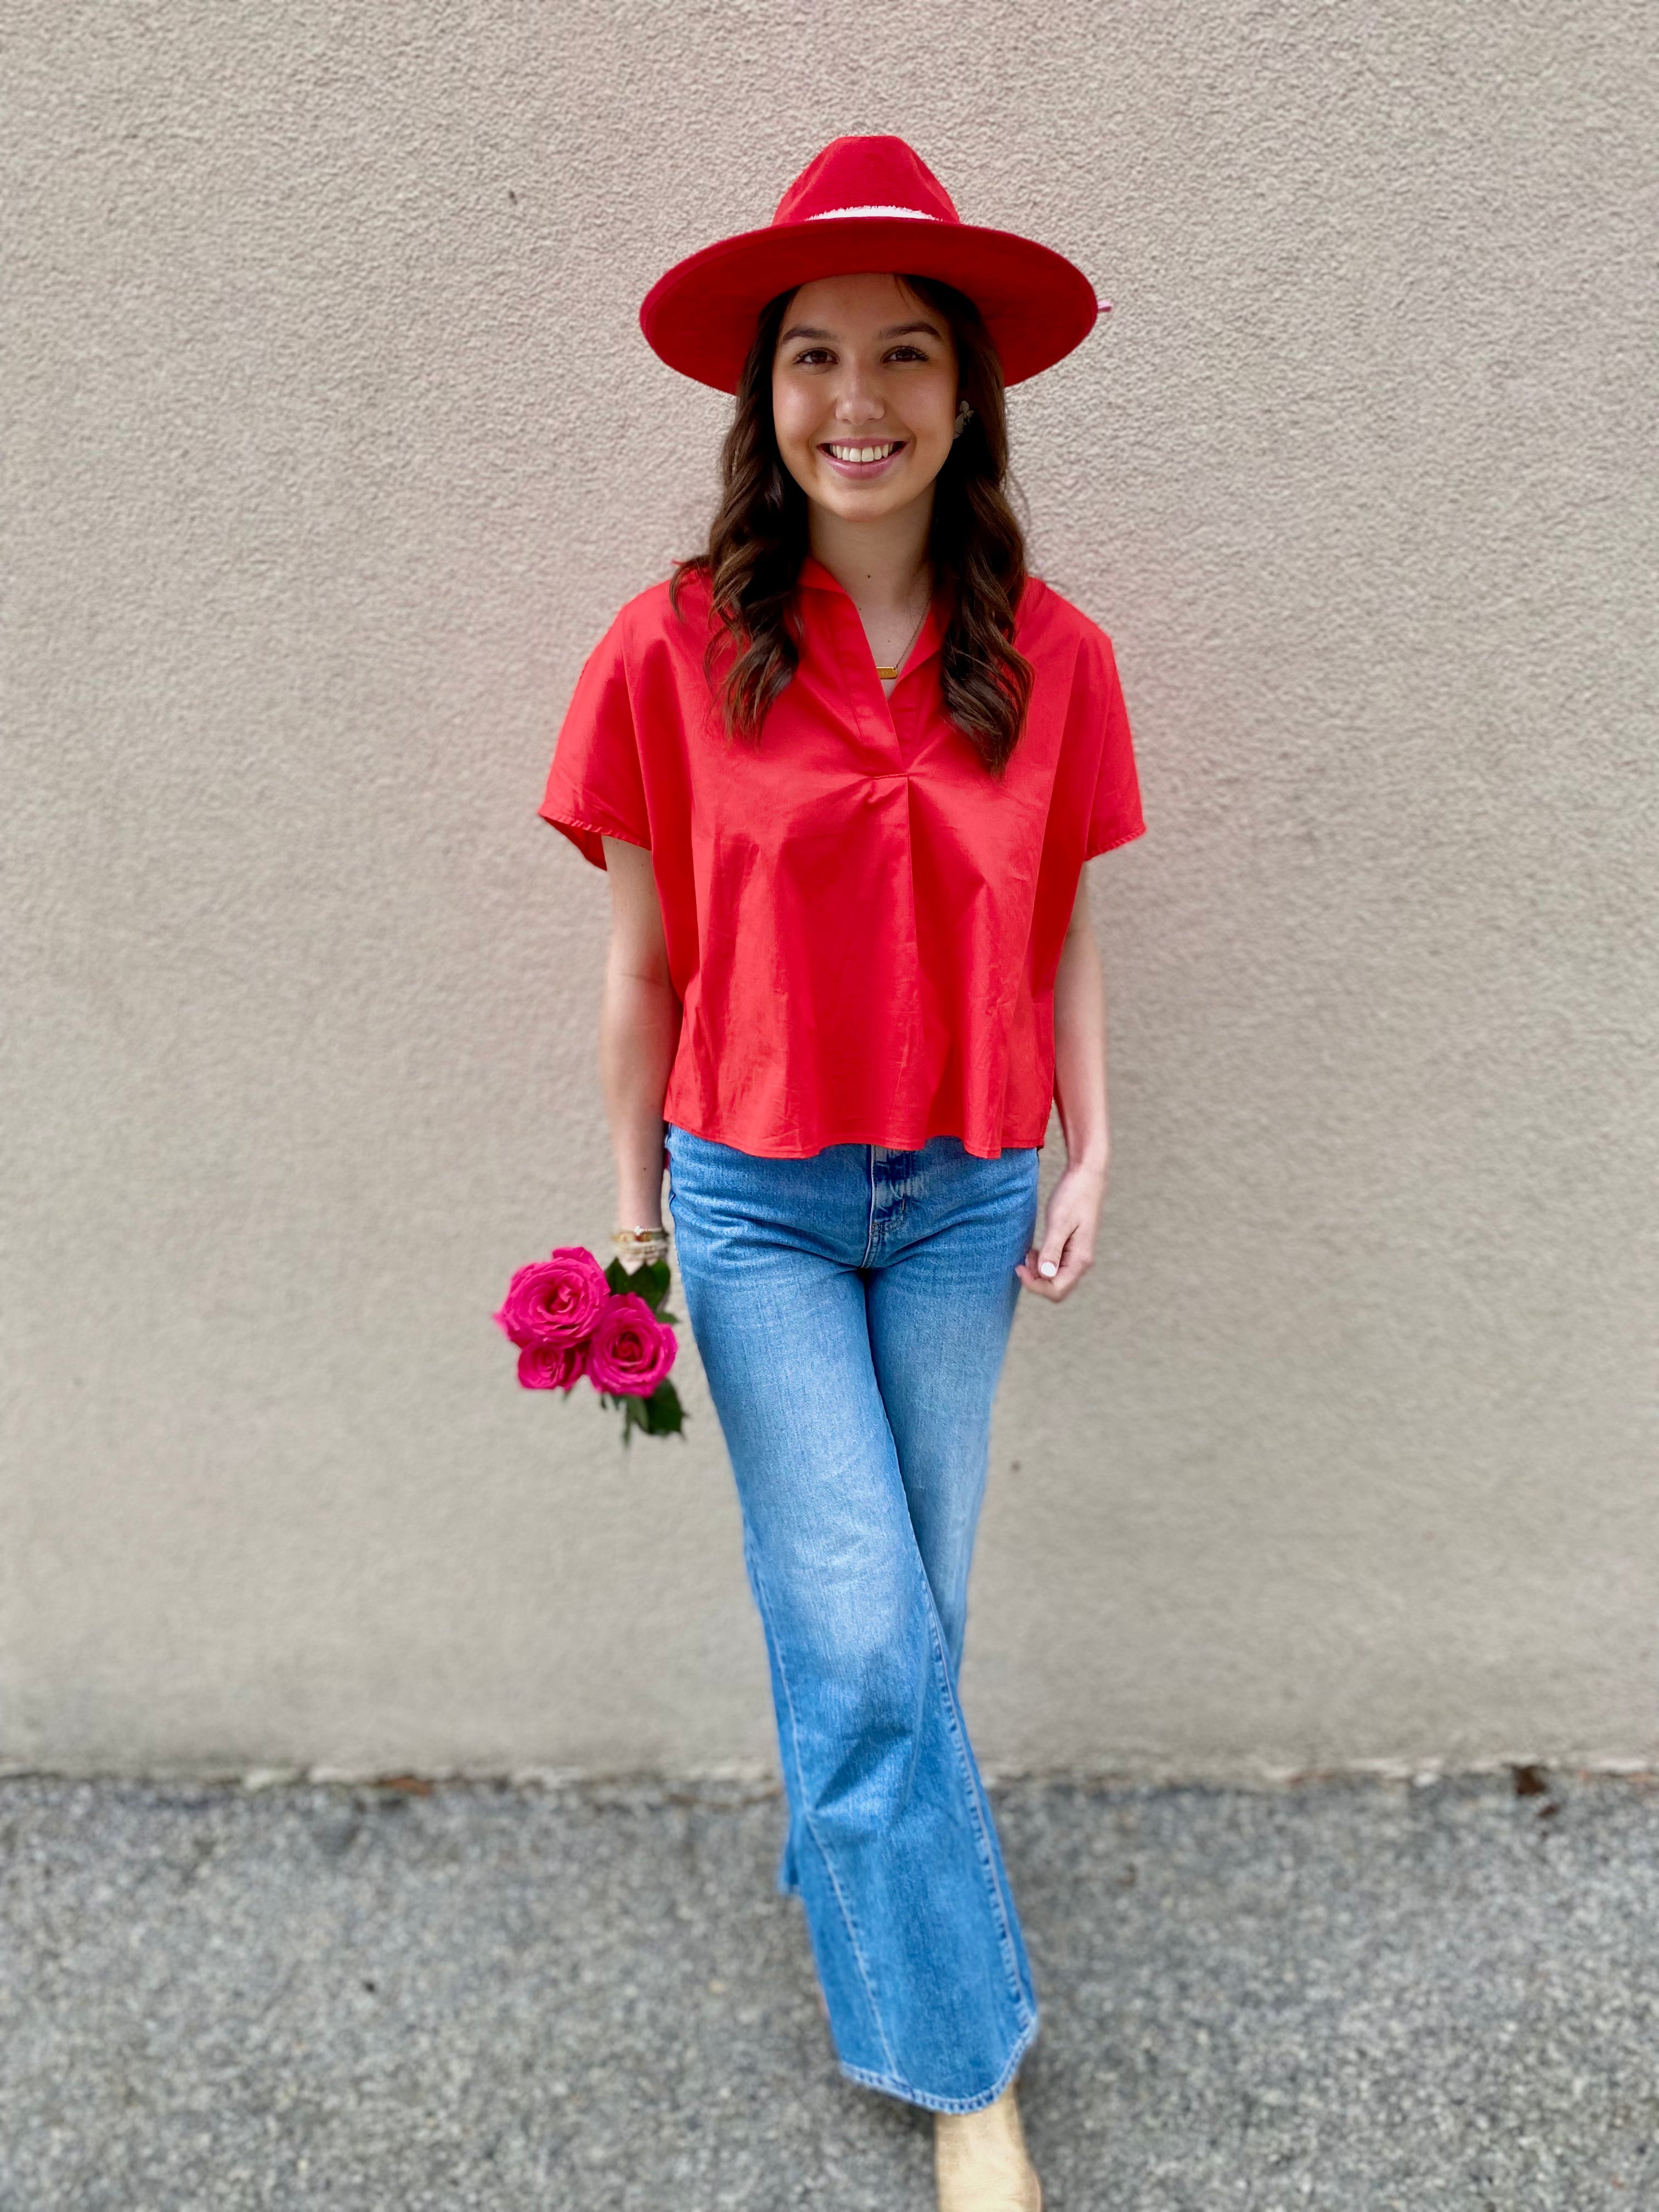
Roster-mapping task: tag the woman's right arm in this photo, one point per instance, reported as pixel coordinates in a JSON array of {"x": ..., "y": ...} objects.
[{"x": 638, "y": 1031}]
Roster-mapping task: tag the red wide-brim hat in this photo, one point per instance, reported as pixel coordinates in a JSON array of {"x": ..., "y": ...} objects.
[{"x": 867, "y": 204}]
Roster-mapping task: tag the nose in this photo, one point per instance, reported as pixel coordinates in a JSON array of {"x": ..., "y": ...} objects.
[{"x": 859, "y": 400}]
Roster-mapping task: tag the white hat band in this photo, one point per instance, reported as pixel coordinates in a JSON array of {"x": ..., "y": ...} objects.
[{"x": 834, "y": 215}]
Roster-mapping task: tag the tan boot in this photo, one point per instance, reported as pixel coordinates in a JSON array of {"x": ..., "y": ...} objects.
[{"x": 979, "y": 2162}]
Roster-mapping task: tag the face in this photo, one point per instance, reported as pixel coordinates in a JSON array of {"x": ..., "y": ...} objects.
[{"x": 864, "y": 394}]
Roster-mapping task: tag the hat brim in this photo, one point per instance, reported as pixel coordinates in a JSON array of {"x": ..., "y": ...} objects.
[{"x": 700, "y": 317}]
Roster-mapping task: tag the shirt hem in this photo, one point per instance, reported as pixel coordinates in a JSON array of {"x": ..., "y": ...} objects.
[
  {"x": 805, "y": 1150},
  {"x": 1123, "y": 837},
  {"x": 580, "y": 831}
]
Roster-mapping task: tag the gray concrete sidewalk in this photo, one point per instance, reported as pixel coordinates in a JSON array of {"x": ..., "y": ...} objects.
[{"x": 1336, "y": 1996}]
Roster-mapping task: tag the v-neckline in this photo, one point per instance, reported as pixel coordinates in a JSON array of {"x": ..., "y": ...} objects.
[{"x": 927, "y": 642}]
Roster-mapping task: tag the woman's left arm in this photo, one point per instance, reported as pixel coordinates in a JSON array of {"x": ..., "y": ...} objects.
[{"x": 1067, "y": 1251}]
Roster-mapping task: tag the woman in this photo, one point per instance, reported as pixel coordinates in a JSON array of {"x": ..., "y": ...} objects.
[{"x": 844, "y": 771}]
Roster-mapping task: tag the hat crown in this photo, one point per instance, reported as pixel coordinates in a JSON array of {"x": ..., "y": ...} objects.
[{"x": 867, "y": 176}]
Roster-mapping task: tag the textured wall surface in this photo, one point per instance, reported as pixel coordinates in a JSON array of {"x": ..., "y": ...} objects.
[{"x": 330, "y": 448}]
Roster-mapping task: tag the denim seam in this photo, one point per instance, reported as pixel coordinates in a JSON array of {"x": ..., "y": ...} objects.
[
  {"x": 808, "y": 1822},
  {"x": 892, "y": 1222},
  {"x": 891, "y": 2085},
  {"x": 987, "y": 1861}
]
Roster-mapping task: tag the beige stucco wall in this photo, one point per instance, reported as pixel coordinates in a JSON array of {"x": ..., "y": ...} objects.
[{"x": 330, "y": 447}]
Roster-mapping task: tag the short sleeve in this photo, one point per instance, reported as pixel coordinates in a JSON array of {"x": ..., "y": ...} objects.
[
  {"x": 1114, "y": 815},
  {"x": 594, "y": 788}
]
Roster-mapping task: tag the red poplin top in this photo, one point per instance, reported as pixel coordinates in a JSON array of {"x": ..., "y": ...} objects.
[{"x": 863, "y": 923}]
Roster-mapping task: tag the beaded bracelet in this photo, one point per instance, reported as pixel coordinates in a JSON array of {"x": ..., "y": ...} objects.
[{"x": 639, "y": 1247}]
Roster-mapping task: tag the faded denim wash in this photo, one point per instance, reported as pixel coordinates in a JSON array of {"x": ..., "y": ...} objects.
[{"x": 852, "y": 1310}]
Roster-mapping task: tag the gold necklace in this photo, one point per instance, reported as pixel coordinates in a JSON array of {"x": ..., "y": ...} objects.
[{"x": 890, "y": 675}]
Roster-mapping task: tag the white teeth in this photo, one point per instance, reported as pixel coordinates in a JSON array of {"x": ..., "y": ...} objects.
[{"x": 865, "y": 452}]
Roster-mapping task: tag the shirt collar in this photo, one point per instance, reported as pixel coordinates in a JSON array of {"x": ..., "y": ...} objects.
[{"x": 815, "y": 577}]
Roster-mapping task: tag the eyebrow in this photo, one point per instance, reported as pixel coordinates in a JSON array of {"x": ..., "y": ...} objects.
[{"x": 892, "y": 331}]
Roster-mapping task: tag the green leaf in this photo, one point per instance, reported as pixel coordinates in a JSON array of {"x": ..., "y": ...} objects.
[
  {"x": 649, "y": 1282},
  {"x": 662, "y": 1414}
]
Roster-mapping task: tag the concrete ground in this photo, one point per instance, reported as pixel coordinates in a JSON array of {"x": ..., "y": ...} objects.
[{"x": 1336, "y": 1995}]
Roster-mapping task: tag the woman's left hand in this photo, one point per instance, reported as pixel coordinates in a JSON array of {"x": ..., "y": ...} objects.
[{"x": 1054, "y": 1269}]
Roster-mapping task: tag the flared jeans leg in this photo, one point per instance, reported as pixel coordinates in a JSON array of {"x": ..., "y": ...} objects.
[{"x": 851, "y": 1311}]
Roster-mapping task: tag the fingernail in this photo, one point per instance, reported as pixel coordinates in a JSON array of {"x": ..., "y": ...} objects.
[{"x": 1048, "y": 1266}]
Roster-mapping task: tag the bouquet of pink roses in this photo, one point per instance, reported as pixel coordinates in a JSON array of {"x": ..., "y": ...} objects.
[{"x": 570, "y": 1318}]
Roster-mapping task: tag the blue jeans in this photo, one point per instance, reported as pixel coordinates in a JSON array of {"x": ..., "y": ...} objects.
[{"x": 851, "y": 1311}]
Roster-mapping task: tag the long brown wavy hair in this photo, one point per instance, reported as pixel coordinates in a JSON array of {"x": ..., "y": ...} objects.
[{"x": 759, "y": 539}]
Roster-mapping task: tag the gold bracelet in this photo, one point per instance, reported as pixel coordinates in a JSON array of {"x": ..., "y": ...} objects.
[{"x": 640, "y": 1247}]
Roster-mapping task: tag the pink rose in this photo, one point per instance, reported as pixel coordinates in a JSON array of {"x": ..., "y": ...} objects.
[
  {"x": 555, "y": 1301},
  {"x": 552, "y": 1366},
  {"x": 632, "y": 1350}
]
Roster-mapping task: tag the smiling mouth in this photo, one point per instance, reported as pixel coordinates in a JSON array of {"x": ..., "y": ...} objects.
[{"x": 866, "y": 456}]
